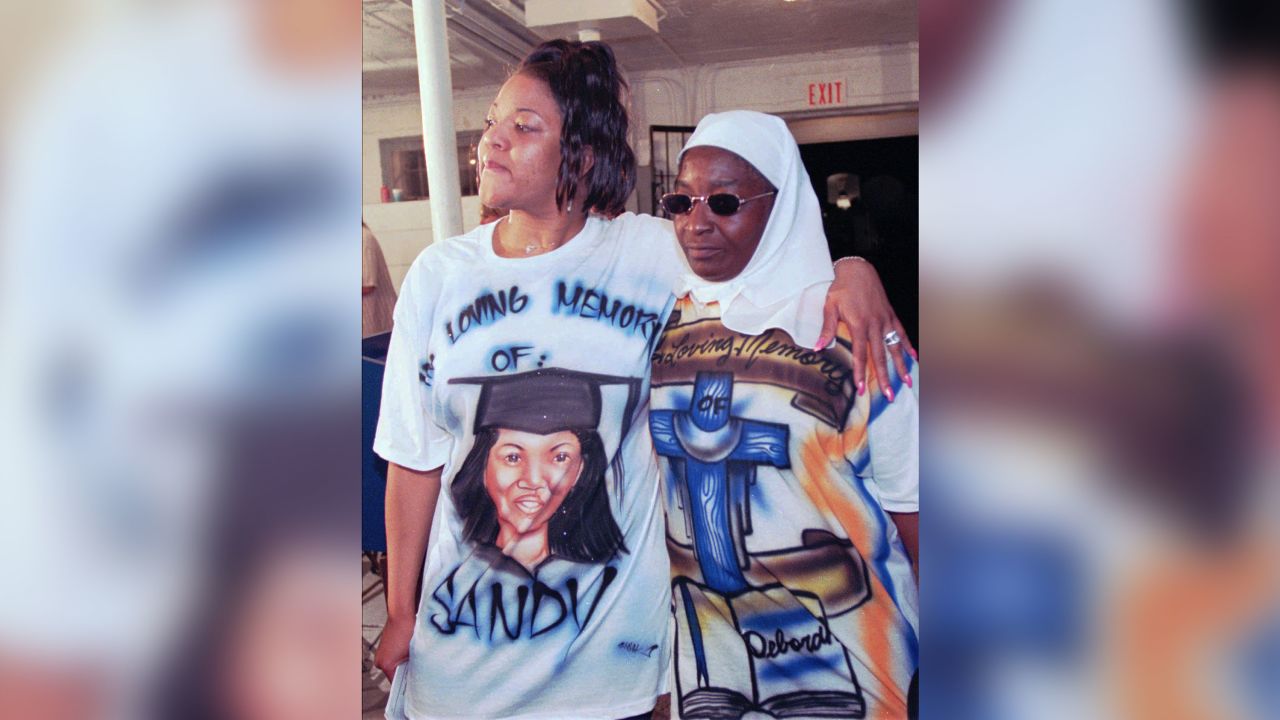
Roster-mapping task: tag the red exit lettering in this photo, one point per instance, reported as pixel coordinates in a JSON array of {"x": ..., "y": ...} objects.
[{"x": 826, "y": 93}]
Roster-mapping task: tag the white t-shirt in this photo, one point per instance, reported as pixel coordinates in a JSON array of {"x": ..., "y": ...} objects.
[
  {"x": 546, "y": 587},
  {"x": 793, "y": 594}
]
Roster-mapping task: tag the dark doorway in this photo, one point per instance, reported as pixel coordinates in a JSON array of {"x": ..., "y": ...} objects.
[{"x": 869, "y": 194}]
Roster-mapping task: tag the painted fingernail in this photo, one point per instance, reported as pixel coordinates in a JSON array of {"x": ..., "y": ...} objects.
[
  {"x": 914, "y": 355},
  {"x": 889, "y": 394},
  {"x": 822, "y": 344},
  {"x": 862, "y": 387},
  {"x": 907, "y": 380}
]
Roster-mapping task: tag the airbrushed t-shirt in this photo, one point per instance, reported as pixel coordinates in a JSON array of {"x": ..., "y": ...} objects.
[
  {"x": 545, "y": 591},
  {"x": 792, "y": 593}
]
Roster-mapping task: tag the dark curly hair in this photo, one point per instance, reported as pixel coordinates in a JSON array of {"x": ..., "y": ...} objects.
[
  {"x": 581, "y": 530},
  {"x": 588, "y": 87}
]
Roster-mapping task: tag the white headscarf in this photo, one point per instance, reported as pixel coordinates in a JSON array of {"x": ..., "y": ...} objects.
[{"x": 785, "y": 283}]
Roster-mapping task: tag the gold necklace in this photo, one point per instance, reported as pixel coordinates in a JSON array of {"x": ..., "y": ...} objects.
[{"x": 529, "y": 248}]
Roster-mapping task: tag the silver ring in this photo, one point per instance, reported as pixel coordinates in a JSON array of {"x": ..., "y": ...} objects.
[{"x": 891, "y": 338}]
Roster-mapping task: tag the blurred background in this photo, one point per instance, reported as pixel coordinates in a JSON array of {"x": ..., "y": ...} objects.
[
  {"x": 179, "y": 402},
  {"x": 1099, "y": 237},
  {"x": 1099, "y": 248}
]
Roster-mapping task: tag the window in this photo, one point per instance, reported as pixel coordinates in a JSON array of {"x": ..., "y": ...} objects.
[
  {"x": 404, "y": 165},
  {"x": 665, "y": 142},
  {"x": 469, "y": 178}
]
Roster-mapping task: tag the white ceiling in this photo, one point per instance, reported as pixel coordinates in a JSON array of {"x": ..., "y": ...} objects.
[{"x": 488, "y": 37}]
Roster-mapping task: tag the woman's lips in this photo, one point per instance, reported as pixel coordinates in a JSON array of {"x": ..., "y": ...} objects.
[
  {"x": 702, "y": 252},
  {"x": 529, "y": 503},
  {"x": 490, "y": 166}
]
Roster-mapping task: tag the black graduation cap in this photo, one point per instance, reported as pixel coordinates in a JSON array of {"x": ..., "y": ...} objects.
[{"x": 546, "y": 400}]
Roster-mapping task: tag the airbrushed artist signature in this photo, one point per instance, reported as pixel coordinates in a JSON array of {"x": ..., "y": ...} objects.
[{"x": 637, "y": 648}]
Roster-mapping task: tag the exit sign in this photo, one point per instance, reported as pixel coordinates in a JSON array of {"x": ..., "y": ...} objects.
[{"x": 827, "y": 92}]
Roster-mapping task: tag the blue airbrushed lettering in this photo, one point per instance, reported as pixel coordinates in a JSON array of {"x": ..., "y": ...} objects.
[
  {"x": 499, "y": 611},
  {"x": 596, "y": 304},
  {"x": 488, "y": 308}
]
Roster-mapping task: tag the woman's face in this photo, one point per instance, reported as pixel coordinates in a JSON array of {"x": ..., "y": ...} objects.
[
  {"x": 519, "y": 154},
  {"x": 528, "y": 476},
  {"x": 718, "y": 248}
]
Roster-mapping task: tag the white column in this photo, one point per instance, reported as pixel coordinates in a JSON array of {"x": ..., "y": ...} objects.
[{"x": 435, "y": 88}]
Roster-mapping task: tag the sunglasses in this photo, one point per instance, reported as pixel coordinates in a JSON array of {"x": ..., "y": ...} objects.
[{"x": 720, "y": 203}]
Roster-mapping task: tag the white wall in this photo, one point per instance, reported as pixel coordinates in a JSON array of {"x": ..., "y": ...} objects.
[
  {"x": 403, "y": 229},
  {"x": 873, "y": 78}
]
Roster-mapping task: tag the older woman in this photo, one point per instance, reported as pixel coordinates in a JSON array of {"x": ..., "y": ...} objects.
[
  {"x": 521, "y": 616},
  {"x": 792, "y": 500}
]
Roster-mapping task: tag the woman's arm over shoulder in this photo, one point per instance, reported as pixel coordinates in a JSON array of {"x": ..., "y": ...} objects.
[
  {"x": 651, "y": 241},
  {"x": 858, "y": 300}
]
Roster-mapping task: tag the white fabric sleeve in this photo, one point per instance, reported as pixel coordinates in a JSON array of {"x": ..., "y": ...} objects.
[
  {"x": 659, "y": 234},
  {"x": 894, "y": 442},
  {"x": 407, "y": 433}
]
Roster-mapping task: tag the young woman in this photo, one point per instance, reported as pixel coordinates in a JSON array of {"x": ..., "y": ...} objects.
[
  {"x": 533, "y": 485},
  {"x": 792, "y": 499},
  {"x": 537, "y": 619}
]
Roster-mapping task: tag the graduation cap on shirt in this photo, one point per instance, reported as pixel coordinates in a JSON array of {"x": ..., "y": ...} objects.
[{"x": 547, "y": 400}]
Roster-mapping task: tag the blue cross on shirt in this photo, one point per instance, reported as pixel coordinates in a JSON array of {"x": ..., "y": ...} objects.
[{"x": 719, "y": 454}]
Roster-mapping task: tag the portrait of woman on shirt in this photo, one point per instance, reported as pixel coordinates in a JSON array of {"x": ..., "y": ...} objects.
[{"x": 533, "y": 484}]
